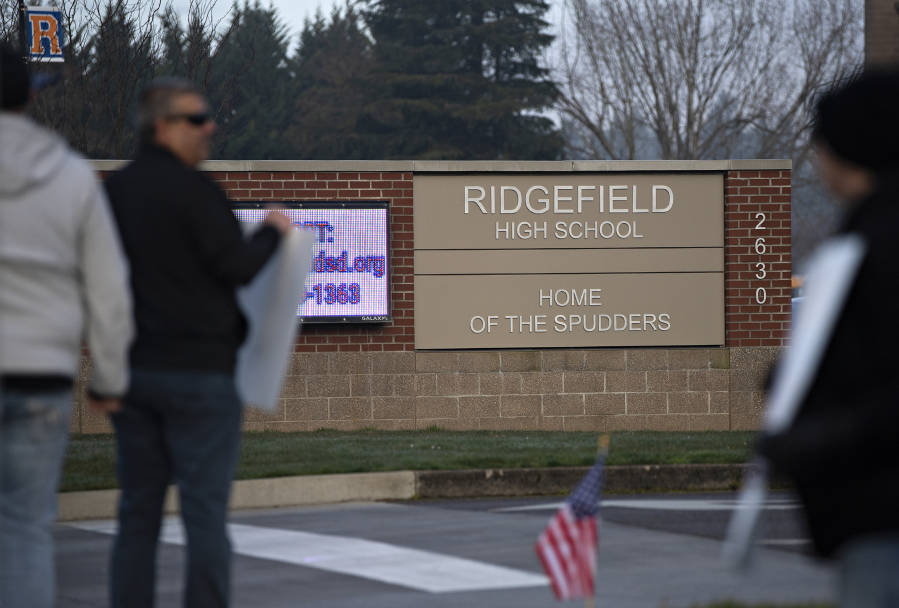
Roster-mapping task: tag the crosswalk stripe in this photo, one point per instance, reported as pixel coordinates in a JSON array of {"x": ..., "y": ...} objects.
[{"x": 412, "y": 568}]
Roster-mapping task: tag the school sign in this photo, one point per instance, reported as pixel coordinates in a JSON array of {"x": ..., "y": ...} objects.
[
  {"x": 569, "y": 260},
  {"x": 564, "y": 295}
]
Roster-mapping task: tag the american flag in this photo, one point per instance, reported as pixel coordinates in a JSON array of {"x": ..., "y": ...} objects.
[{"x": 567, "y": 546}]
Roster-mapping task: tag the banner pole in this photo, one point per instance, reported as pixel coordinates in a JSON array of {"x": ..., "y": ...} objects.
[{"x": 23, "y": 44}]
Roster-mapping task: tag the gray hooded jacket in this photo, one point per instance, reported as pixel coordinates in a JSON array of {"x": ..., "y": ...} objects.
[{"x": 63, "y": 276}]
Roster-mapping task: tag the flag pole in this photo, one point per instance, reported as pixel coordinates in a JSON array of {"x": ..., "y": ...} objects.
[{"x": 602, "y": 451}]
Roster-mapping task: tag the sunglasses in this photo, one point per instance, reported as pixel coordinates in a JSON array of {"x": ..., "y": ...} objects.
[{"x": 198, "y": 120}]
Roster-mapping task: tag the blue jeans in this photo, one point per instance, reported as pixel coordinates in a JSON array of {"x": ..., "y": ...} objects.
[
  {"x": 181, "y": 428},
  {"x": 34, "y": 430},
  {"x": 869, "y": 569}
]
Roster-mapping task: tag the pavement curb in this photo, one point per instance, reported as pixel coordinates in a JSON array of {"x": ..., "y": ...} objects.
[
  {"x": 310, "y": 490},
  {"x": 561, "y": 480},
  {"x": 268, "y": 493}
]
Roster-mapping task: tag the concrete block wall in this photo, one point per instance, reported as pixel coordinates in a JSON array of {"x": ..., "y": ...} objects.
[
  {"x": 657, "y": 389},
  {"x": 351, "y": 377},
  {"x": 560, "y": 390}
]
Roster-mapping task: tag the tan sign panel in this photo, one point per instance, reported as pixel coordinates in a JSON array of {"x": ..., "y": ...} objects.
[
  {"x": 543, "y": 311},
  {"x": 571, "y": 260},
  {"x": 568, "y": 210},
  {"x": 568, "y": 261}
]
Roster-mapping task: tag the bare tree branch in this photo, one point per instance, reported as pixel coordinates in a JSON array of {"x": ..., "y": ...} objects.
[
  {"x": 688, "y": 79},
  {"x": 704, "y": 79}
]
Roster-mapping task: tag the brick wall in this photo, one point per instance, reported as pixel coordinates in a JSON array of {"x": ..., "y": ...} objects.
[
  {"x": 370, "y": 375},
  {"x": 748, "y": 194},
  {"x": 881, "y": 33},
  {"x": 396, "y": 188},
  {"x": 570, "y": 390}
]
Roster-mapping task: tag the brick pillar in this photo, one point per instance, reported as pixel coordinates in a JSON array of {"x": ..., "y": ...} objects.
[
  {"x": 756, "y": 333},
  {"x": 757, "y": 206},
  {"x": 881, "y": 33}
]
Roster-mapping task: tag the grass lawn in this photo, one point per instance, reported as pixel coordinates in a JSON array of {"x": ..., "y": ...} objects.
[
  {"x": 90, "y": 461},
  {"x": 739, "y": 605}
]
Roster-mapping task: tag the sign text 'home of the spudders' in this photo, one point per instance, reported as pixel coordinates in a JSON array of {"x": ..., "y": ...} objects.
[{"x": 568, "y": 260}]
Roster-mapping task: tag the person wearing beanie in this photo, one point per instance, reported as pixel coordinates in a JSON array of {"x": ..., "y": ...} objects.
[
  {"x": 63, "y": 277},
  {"x": 840, "y": 450}
]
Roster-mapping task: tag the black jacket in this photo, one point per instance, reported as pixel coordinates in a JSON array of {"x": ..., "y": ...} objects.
[
  {"x": 842, "y": 450},
  {"x": 187, "y": 256}
]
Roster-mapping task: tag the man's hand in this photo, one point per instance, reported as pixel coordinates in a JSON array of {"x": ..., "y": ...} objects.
[
  {"x": 105, "y": 405},
  {"x": 278, "y": 221}
]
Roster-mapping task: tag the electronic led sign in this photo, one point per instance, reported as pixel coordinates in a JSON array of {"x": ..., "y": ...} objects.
[{"x": 348, "y": 280}]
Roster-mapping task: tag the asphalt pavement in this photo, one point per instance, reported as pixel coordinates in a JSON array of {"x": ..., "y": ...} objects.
[{"x": 656, "y": 550}]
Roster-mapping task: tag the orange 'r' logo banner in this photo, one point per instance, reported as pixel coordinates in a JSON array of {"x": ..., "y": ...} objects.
[{"x": 44, "y": 27}]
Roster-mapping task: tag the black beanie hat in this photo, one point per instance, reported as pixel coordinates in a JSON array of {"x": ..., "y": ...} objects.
[
  {"x": 15, "y": 84},
  {"x": 860, "y": 121}
]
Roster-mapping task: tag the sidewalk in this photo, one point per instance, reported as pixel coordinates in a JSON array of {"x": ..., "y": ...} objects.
[{"x": 404, "y": 485}]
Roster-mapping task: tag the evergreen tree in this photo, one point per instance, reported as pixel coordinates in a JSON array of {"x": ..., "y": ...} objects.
[
  {"x": 113, "y": 64},
  {"x": 173, "y": 61},
  {"x": 188, "y": 53},
  {"x": 122, "y": 62},
  {"x": 459, "y": 79},
  {"x": 67, "y": 108},
  {"x": 250, "y": 85},
  {"x": 332, "y": 64}
]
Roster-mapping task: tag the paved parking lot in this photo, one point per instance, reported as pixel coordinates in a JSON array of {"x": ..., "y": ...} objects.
[{"x": 655, "y": 550}]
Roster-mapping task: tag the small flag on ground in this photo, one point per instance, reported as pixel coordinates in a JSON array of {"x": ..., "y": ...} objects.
[{"x": 567, "y": 547}]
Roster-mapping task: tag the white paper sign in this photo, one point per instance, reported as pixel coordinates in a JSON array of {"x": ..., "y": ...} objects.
[
  {"x": 831, "y": 276},
  {"x": 270, "y": 304}
]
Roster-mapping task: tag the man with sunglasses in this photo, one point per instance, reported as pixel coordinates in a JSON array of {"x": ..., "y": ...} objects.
[{"x": 180, "y": 421}]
